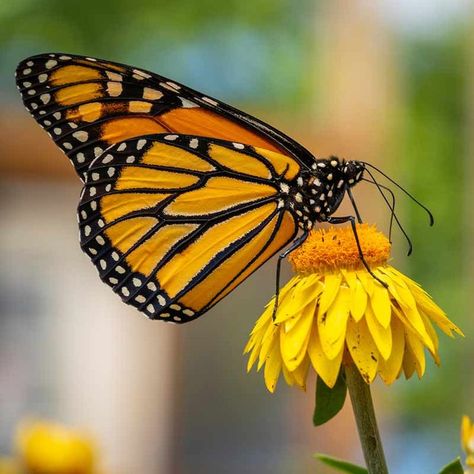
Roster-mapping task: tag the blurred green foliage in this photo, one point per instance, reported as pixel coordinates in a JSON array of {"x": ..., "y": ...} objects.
[
  {"x": 434, "y": 153},
  {"x": 239, "y": 51}
]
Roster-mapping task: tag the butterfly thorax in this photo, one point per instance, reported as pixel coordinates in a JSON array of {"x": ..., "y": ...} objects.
[{"x": 320, "y": 191}]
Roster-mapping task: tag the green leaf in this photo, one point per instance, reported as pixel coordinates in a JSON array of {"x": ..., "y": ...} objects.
[
  {"x": 341, "y": 465},
  {"x": 454, "y": 467},
  {"x": 329, "y": 401}
]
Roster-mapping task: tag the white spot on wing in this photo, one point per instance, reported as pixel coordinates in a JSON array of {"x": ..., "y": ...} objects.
[
  {"x": 209, "y": 101},
  {"x": 142, "y": 73},
  {"x": 187, "y": 104},
  {"x": 51, "y": 63},
  {"x": 114, "y": 89},
  {"x": 82, "y": 136},
  {"x": 161, "y": 300},
  {"x": 114, "y": 76}
]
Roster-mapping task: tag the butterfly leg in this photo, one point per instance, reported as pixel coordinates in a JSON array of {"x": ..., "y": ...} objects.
[
  {"x": 351, "y": 219},
  {"x": 351, "y": 197},
  {"x": 295, "y": 244}
]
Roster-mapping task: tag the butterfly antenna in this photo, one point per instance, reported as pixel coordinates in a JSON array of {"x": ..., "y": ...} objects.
[
  {"x": 374, "y": 181},
  {"x": 392, "y": 206},
  {"x": 402, "y": 189}
]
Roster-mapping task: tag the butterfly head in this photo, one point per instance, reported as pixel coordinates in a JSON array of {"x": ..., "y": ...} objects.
[
  {"x": 326, "y": 185},
  {"x": 352, "y": 171}
]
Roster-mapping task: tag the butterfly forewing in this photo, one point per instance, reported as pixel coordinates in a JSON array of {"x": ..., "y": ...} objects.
[
  {"x": 87, "y": 105},
  {"x": 173, "y": 224}
]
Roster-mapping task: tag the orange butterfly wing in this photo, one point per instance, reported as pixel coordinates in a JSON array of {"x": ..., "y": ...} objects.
[
  {"x": 87, "y": 105},
  {"x": 173, "y": 226}
]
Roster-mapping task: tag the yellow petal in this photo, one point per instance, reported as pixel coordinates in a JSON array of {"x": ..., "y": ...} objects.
[
  {"x": 289, "y": 378},
  {"x": 399, "y": 289},
  {"x": 362, "y": 348},
  {"x": 381, "y": 336},
  {"x": 285, "y": 300},
  {"x": 358, "y": 301},
  {"x": 411, "y": 318},
  {"x": 350, "y": 277},
  {"x": 367, "y": 280},
  {"x": 409, "y": 362},
  {"x": 327, "y": 369},
  {"x": 301, "y": 373},
  {"x": 270, "y": 339},
  {"x": 433, "y": 336},
  {"x": 417, "y": 349},
  {"x": 434, "y": 312},
  {"x": 332, "y": 282},
  {"x": 265, "y": 317},
  {"x": 308, "y": 289},
  {"x": 380, "y": 302},
  {"x": 332, "y": 325},
  {"x": 389, "y": 370},
  {"x": 466, "y": 428},
  {"x": 254, "y": 345},
  {"x": 308, "y": 296},
  {"x": 272, "y": 368},
  {"x": 293, "y": 343}
]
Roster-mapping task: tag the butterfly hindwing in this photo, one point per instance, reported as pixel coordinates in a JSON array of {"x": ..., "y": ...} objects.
[
  {"x": 175, "y": 222},
  {"x": 87, "y": 105}
]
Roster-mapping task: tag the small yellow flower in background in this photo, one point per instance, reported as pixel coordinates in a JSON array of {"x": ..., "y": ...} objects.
[
  {"x": 334, "y": 312},
  {"x": 49, "y": 448},
  {"x": 467, "y": 440},
  {"x": 9, "y": 466}
]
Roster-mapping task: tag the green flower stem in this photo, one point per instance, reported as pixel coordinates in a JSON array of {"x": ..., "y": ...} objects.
[{"x": 363, "y": 407}]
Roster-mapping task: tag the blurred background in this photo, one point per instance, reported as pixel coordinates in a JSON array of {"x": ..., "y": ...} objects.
[{"x": 388, "y": 82}]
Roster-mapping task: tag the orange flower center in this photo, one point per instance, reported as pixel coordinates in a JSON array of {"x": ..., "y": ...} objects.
[{"x": 335, "y": 248}]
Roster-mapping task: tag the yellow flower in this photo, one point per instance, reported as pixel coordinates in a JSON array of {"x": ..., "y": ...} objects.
[
  {"x": 334, "y": 312},
  {"x": 467, "y": 440},
  {"x": 54, "y": 449}
]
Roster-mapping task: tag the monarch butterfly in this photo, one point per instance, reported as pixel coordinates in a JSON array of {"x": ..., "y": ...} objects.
[{"x": 184, "y": 196}]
